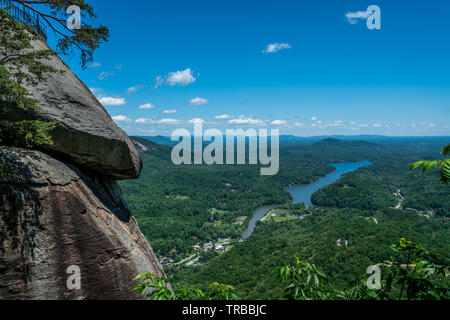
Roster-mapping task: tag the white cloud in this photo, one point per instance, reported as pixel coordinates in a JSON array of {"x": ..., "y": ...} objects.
[
  {"x": 141, "y": 120},
  {"x": 432, "y": 125},
  {"x": 246, "y": 120},
  {"x": 313, "y": 118},
  {"x": 413, "y": 125},
  {"x": 95, "y": 65},
  {"x": 353, "y": 17},
  {"x": 377, "y": 125},
  {"x": 169, "y": 111},
  {"x": 182, "y": 78},
  {"x": 112, "y": 102},
  {"x": 299, "y": 124},
  {"x": 363, "y": 125},
  {"x": 147, "y": 106},
  {"x": 135, "y": 88},
  {"x": 222, "y": 117},
  {"x": 278, "y": 122},
  {"x": 121, "y": 118},
  {"x": 198, "y": 101},
  {"x": 275, "y": 47}
]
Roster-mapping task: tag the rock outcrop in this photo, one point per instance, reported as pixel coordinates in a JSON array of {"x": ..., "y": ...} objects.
[
  {"x": 85, "y": 134},
  {"x": 53, "y": 216},
  {"x": 61, "y": 210}
]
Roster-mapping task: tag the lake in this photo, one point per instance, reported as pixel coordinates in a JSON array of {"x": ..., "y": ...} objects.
[{"x": 303, "y": 193}]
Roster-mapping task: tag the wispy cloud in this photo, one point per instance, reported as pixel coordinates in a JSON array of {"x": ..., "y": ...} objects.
[
  {"x": 95, "y": 65},
  {"x": 147, "y": 106},
  {"x": 121, "y": 118},
  {"x": 354, "y": 17},
  {"x": 198, "y": 101},
  {"x": 278, "y": 122},
  {"x": 135, "y": 88},
  {"x": 153, "y": 121},
  {"x": 96, "y": 90},
  {"x": 159, "y": 81},
  {"x": 111, "y": 101},
  {"x": 196, "y": 120},
  {"x": 105, "y": 74},
  {"x": 246, "y": 120},
  {"x": 275, "y": 47},
  {"x": 169, "y": 111},
  {"x": 222, "y": 117}
]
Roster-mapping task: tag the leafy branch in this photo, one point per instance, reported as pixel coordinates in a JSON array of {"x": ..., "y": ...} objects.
[{"x": 442, "y": 165}]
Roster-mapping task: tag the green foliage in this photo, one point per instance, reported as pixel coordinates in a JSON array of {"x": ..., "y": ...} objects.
[
  {"x": 418, "y": 278},
  {"x": 155, "y": 288},
  {"x": 173, "y": 207},
  {"x": 442, "y": 165},
  {"x": 304, "y": 281},
  {"x": 411, "y": 271},
  {"x": 26, "y": 134},
  {"x": 249, "y": 264},
  {"x": 14, "y": 42}
]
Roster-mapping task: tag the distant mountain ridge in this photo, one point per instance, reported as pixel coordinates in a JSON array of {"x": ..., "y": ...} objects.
[
  {"x": 337, "y": 142},
  {"x": 294, "y": 141}
]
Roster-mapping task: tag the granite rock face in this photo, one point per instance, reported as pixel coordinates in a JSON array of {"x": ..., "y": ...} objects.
[
  {"x": 53, "y": 216},
  {"x": 85, "y": 135}
]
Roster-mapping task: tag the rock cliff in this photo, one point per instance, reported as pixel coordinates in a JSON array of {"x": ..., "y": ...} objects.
[
  {"x": 85, "y": 133},
  {"x": 61, "y": 206}
]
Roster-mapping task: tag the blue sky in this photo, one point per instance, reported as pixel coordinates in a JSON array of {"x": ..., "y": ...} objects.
[{"x": 301, "y": 66}]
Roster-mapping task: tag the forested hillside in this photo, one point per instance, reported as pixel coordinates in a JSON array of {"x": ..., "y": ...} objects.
[
  {"x": 388, "y": 183},
  {"x": 248, "y": 267},
  {"x": 179, "y": 207},
  {"x": 182, "y": 209}
]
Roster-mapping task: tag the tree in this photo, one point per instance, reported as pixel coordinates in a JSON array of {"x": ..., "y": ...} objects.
[
  {"x": 443, "y": 165},
  {"x": 87, "y": 38},
  {"x": 15, "y": 42}
]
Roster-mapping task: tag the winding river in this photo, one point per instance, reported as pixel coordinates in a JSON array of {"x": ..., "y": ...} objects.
[{"x": 303, "y": 193}]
